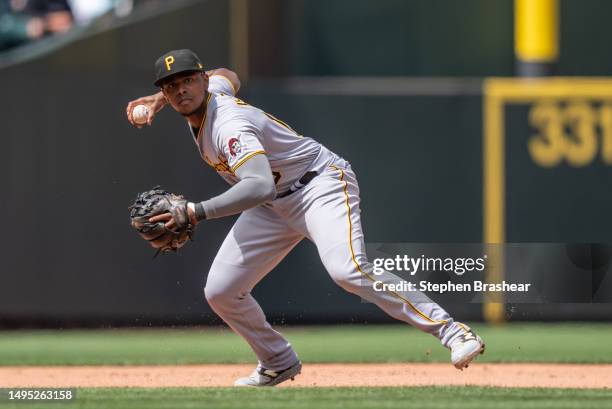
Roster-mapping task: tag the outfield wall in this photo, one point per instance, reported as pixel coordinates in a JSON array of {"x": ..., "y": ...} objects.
[{"x": 71, "y": 164}]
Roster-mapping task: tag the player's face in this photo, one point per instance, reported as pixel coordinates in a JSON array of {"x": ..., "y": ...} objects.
[{"x": 186, "y": 92}]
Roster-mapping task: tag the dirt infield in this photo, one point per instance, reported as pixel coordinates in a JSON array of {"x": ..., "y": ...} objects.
[{"x": 315, "y": 375}]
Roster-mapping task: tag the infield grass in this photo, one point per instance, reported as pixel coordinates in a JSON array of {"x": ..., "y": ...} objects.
[
  {"x": 346, "y": 398},
  {"x": 537, "y": 342}
]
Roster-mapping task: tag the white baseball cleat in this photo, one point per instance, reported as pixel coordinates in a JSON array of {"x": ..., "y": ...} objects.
[
  {"x": 465, "y": 348},
  {"x": 267, "y": 377}
]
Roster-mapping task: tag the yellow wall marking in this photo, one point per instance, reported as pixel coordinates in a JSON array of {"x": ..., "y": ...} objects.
[
  {"x": 497, "y": 93},
  {"x": 536, "y": 30}
]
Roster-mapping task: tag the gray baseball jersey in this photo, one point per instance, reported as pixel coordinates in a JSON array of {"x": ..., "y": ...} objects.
[
  {"x": 233, "y": 131},
  {"x": 326, "y": 211}
]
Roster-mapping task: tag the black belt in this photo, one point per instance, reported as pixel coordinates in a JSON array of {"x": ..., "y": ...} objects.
[{"x": 304, "y": 180}]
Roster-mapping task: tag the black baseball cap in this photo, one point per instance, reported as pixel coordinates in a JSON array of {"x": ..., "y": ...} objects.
[{"x": 174, "y": 62}]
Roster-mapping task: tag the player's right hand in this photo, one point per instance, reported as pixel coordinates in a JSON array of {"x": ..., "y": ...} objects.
[{"x": 154, "y": 102}]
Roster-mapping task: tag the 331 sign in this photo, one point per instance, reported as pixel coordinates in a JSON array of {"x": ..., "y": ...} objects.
[{"x": 577, "y": 132}]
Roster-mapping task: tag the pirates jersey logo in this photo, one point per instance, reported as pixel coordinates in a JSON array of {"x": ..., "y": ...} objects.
[{"x": 235, "y": 147}]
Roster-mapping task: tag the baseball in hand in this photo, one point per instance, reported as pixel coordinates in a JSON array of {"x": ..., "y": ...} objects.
[{"x": 140, "y": 114}]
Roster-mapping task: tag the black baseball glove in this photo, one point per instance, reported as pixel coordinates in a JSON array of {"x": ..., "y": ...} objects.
[{"x": 164, "y": 236}]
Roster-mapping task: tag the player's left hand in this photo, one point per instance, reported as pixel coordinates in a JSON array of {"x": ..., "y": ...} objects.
[
  {"x": 162, "y": 219},
  {"x": 179, "y": 217}
]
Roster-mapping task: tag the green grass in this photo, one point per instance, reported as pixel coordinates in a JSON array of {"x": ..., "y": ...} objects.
[
  {"x": 579, "y": 343},
  {"x": 346, "y": 398},
  {"x": 372, "y": 343}
]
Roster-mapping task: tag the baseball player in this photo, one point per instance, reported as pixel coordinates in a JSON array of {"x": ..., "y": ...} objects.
[{"x": 286, "y": 187}]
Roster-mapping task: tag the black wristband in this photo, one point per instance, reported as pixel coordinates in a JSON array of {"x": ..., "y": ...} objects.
[{"x": 200, "y": 214}]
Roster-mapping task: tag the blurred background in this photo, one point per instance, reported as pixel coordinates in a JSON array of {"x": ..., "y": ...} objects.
[{"x": 409, "y": 91}]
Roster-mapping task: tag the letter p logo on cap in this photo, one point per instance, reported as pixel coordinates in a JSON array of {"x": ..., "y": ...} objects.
[{"x": 169, "y": 61}]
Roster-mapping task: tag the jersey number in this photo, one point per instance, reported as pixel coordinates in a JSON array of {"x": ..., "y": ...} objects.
[
  {"x": 272, "y": 117},
  {"x": 281, "y": 123},
  {"x": 277, "y": 177}
]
